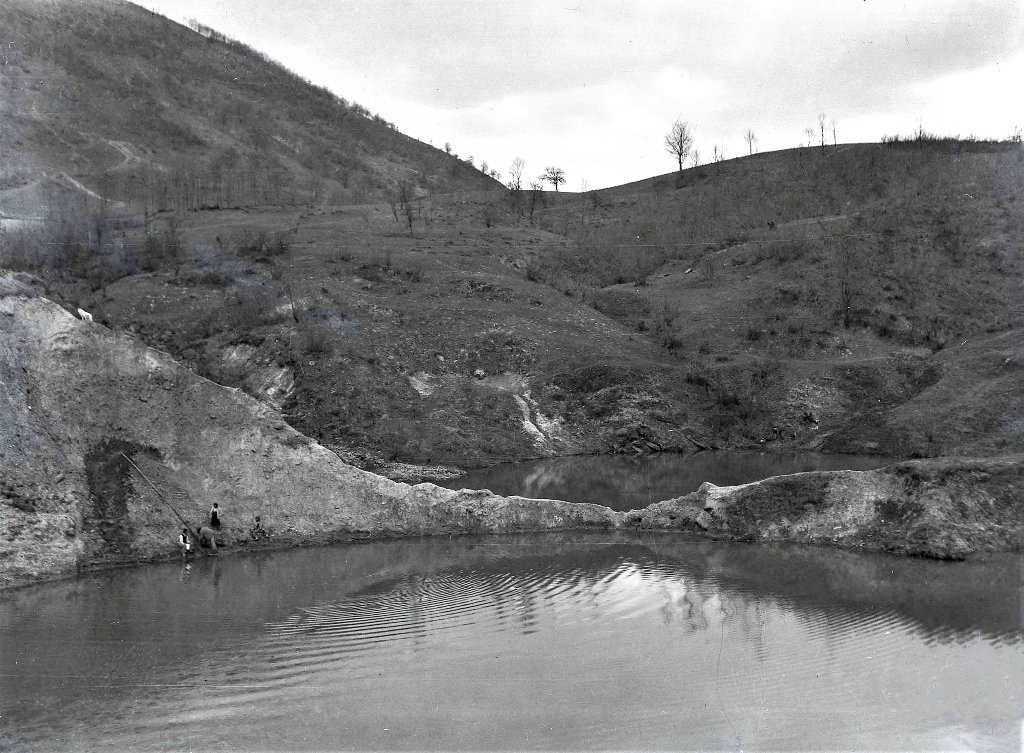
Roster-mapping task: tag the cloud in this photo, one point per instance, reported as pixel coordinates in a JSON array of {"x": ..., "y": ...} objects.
[{"x": 602, "y": 80}]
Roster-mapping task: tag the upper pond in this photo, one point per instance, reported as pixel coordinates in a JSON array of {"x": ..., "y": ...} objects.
[
  {"x": 555, "y": 642},
  {"x": 624, "y": 482}
]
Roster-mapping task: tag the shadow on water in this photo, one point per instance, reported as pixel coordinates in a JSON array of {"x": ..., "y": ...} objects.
[{"x": 624, "y": 482}]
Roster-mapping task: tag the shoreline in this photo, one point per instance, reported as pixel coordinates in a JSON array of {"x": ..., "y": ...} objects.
[
  {"x": 92, "y": 416},
  {"x": 879, "y": 511}
]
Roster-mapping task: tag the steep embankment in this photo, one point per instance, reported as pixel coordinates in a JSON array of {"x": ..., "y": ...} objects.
[
  {"x": 945, "y": 508},
  {"x": 78, "y": 399}
]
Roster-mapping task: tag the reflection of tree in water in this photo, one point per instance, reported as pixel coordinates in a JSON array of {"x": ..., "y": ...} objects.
[
  {"x": 683, "y": 602},
  {"x": 624, "y": 482},
  {"x": 696, "y": 606}
]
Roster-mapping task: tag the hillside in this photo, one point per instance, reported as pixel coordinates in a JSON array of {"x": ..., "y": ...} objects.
[
  {"x": 864, "y": 297},
  {"x": 142, "y": 110},
  {"x": 852, "y": 298},
  {"x": 90, "y": 417},
  {"x": 467, "y": 331},
  {"x": 93, "y": 423}
]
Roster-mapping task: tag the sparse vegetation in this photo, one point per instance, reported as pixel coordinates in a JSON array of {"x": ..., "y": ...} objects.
[
  {"x": 726, "y": 297},
  {"x": 553, "y": 175},
  {"x": 679, "y": 142}
]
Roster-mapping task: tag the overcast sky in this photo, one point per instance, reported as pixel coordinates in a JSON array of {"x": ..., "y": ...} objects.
[{"x": 593, "y": 86}]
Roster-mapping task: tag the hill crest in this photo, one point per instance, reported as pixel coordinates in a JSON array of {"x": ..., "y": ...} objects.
[{"x": 142, "y": 109}]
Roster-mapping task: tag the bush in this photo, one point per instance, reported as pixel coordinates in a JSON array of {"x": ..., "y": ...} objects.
[
  {"x": 490, "y": 214},
  {"x": 245, "y": 312},
  {"x": 316, "y": 339},
  {"x": 533, "y": 271},
  {"x": 783, "y": 250},
  {"x": 160, "y": 251},
  {"x": 671, "y": 341},
  {"x": 23, "y": 252},
  {"x": 410, "y": 273},
  {"x": 260, "y": 245}
]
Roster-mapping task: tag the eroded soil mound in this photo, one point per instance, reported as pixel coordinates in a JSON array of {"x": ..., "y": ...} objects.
[
  {"x": 80, "y": 401},
  {"x": 944, "y": 508},
  {"x": 89, "y": 417}
]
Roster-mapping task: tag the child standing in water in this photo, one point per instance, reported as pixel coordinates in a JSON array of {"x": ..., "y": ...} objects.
[
  {"x": 214, "y": 516},
  {"x": 185, "y": 542}
]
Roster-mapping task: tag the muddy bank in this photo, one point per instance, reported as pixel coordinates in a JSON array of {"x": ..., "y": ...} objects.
[
  {"x": 78, "y": 400},
  {"x": 947, "y": 508}
]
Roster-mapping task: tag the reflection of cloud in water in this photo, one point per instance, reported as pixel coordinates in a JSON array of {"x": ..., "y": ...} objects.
[{"x": 535, "y": 642}]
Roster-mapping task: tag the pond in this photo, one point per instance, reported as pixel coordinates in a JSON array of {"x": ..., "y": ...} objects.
[
  {"x": 555, "y": 641},
  {"x": 625, "y": 482}
]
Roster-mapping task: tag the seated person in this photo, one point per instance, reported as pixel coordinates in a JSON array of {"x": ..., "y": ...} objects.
[{"x": 257, "y": 530}]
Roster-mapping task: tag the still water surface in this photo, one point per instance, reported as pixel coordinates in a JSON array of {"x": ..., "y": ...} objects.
[
  {"x": 624, "y": 482},
  {"x": 554, "y": 641}
]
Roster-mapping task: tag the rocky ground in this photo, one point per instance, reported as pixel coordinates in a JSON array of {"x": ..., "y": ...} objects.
[
  {"x": 944, "y": 508},
  {"x": 80, "y": 401}
]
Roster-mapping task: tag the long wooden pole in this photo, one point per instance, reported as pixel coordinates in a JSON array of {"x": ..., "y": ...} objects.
[{"x": 162, "y": 499}]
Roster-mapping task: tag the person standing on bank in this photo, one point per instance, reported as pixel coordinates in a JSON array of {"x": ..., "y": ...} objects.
[{"x": 215, "y": 516}]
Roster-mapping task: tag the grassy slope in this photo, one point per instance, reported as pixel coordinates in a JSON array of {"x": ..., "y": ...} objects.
[
  {"x": 136, "y": 106},
  {"x": 926, "y": 238},
  {"x": 681, "y": 310},
  {"x": 753, "y": 352},
  {"x": 375, "y": 306}
]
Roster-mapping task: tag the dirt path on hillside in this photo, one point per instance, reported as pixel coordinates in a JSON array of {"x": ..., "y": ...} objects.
[{"x": 130, "y": 158}]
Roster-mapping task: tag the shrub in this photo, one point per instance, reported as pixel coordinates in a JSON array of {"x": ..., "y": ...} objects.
[
  {"x": 316, "y": 339},
  {"x": 410, "y": 273},
  {"x": 245, "y": 312},
  {"x": 671, "y": 341},
  {"x": 698, "y": 379},
  {"x": 490, "y": 214},
  {"x": 533, "y": 271},
  {"x": 160, "y": 251},
  {"x": 261, "y": 245},
  {"x": 707, "y": 269},
  {"x": 22, "y": 252}
]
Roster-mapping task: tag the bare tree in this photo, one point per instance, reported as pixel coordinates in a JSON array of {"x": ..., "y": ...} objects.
[
  {"x": 553, "y": 175},
  {"x": 448, "y": 147},
  {"x": 718, "y": 153},
  {"x": 809, "y": 133},
  {"x": 695, "y": 158},
  {"x": 844, "y": 263},
  {"x": 751, "y": 139},
  {"x": 536, "y": 195},
  {"x": 821, "y": 127},
  {"x": 835, "y": 141},
  {"x": 406, "y": 195},
  {"x": 679, "y": 141},
  {"x": 515, "y": 170}
]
